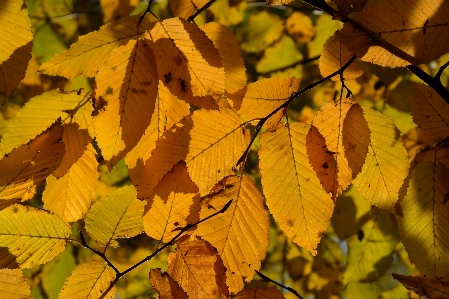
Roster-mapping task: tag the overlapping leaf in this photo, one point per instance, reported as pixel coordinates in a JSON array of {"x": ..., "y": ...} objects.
[
  {"x": 89, "y": 280},
  {"x": 424, "y": 228},
  {"x": 86, "y": 56},
  {"x": 186, "y": 8},
  {"x": 386, "y": 165},
  {"x": 292, "y": 189},
  {"x": 34, "y": 236},
  {"x": 210, "y": 142},
  {"x": 7, "y": 260},
  {"x": 174, "y": 203},
  {"x": 13, "y": 285},
  {"x": 166, "y": 286},
  {"x": 424, "y": 287},
  {"x": 118, "y": 215},
  {"x": 346, "y": 7},
  {"x": 128, "y": 82},
  {"x": 15, "y": 43},
  {"x": 70, "y": 196},
  {"x": 241, "y": 233},
  {"x": 30, "y": 164},
  {"x": 198, "y": 269},
  {"x": 431, "y": 113},
  {"x": 260, "y": 293}
]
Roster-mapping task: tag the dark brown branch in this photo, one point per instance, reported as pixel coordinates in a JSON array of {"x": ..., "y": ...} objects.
[
  {"x": 100, "y": 254},
  {"x": 433, "y": 82},
  {"x": 148, "y": 10},
  {"x": 208, "y": 4},
  {"x": 441, "y": 70},
  {"x": 267, "y": 279}
]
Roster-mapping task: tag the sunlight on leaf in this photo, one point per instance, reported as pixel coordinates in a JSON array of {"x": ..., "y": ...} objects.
[
  {"x": 186, "y": 8},
  {"x": 424, "y": 287},
  {"x": 260, "y": 293},
  {"x": 14, "y": 285},
  {"x": 166, "y": 287}
]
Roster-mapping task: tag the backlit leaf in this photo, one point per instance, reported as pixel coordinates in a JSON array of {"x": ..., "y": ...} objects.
[
  {"x": 13, "y": 285},
  {"x": 188, "y": 63},
  {"x": 89, "y": 280},
  {"x": 87, "y": 55},
  {"x": 431, "y": 113},
  {"x": 186, "y": 8},
  {"x": 166, "y": 286},
  {"x": 396, "y": 33},
  {"x": 30, "y": 164},
  {"x": 15, "y": 43},
  {"x": 293, "y": 191},
  {"x": 241, "y": 233},
  {"x": 118, "y": 215},
  {"x": 198, "y": 269},
  {"x": 70, "y": 196},
  {"x": 116, "y": 9},
  {"x": 263, "y": 30},
  {"x": 34, "y": 236},
  {"x": 210, "y": 142},
  {"x": 260, "y": 293},
  {"x": 128, "y": 82},
  {"x": 386, "y": 165},
  {"x": 325, "y": 27},
  {"x": 424, "y": 287},
  {"x": 36, "y": 116},
  {"x": 174, "y": 203},
  {"x": 424, "y": 229}
]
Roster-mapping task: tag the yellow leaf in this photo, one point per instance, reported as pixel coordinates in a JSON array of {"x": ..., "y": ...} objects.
[
  {"x": 278, "y": 2},
  {"x": 424, "y": 287},
  {"x": 174, "y": 203},
  {"x": 165, "y": 285},
  {"x": 15, "y": 43},
  {"x": 325, "y": 27},
  {"x": 424, "y": 227},
  {"x": 231, "y": 56},
  {"x": 70, "y": 196},
  {"x": 300, "y": 27},
  {"x": 192, "y": 73},
  {"x": 89, "y": 280},
  {"x": 283, "y": 54},
  {"x": 346, "y": 7},
  {"x": 260, "y": 293},
  {"x": 87, "y": 55},
  {"x": 168, "y": 111},
  {"x": 186, "y": 8},
  {"x": 263, "y": 30},
  {"x": 83, "y": 117},
  {"x": 395, "y": 33},
  {"x": 227, "y": 13},
  {"x": 209, "y": 141},
  {"x": 118, "y": 215},
  {"x": 13, "y": 285},
  {"x": 30, "y": 164},
  {"x": 431, "y": 113},
  {"x": 128, "y": 82},
  {"x": 241, "y": 233},
  {"x": 34, "y": 236},
  {"x": 334, "y": 56},
  {"x": 116, "y": 9},
  {"x": 292, "y": 189},
  {"x": 198, "y": 269},
  {"x": 36, "y": 116}
]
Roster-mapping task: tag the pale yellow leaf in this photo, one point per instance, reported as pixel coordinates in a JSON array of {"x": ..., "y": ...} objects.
[
  {"x": 116, "y": 9},
  {"x": 210, "y": 142},
  {"x": 241, "y": 233},
  {"x": 70, "y": 196},
  {"x": 186, "y": 8},
  {"x": 118, "y": 215},
  {"x": 166, "y": 286},
  {"x": 431, "y": 113},
  {"x": 424, "y": 228},
  {"x": 34, "y": 236},
  {"x": 260, "y": 293},
  {"x": 386, "y": 164},
  {"x": 90, "y": 280},
  {"x": 87, "y": 55},
  {"x": 174, "y": 203},
  {"x": 30, "y": 164},
  {"x": 15, "y": 43},
  {"x": 292, "y": 189},
  {"x": 424, "y": 287},
  {"x": 13, "y": 285},
  {"x": 128, "y": 82},
  {"x": 199, "y": 270}
]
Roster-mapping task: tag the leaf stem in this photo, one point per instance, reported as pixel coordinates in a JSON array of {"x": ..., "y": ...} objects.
[
  {"x": 100, "y": 254},
  {"x": 265, "y": 278},
  {"x": 206, "y": 6}
]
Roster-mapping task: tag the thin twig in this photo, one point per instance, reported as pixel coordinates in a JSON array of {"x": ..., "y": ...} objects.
[
  {"x": 208, "y": 4},
  {"x": 148, "y": 10},
  {"x": 100, "y": 254},
  {"x": 293, "y": 291},
  {"x": 441, "y": 70},
  {"x": 321, "y": 5}
]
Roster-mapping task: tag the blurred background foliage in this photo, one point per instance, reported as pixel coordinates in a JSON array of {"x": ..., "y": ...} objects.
[{"x": 361, "y": 247}]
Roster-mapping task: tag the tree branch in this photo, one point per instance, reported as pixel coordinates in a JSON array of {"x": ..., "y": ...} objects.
[
  {"x": 433, "y": 82},
  {"x": 265, "y": 278},
  {"x": 100, "y": 254},
  {"x": 208, "y": 4}
]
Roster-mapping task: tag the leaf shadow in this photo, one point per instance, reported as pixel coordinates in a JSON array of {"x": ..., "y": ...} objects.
[{"x": 13, "y": 69}]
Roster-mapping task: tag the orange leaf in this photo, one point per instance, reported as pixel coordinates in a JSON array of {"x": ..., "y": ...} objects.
[
  {"x": 14, "y": 284},
  {"x": 424, "y": 287},
  {"x": 166, "y": 286},
  {"x": 260, "y": 293},
  {"x": 186, "y": 8}
]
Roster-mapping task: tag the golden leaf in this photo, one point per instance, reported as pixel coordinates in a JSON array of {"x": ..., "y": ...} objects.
[
  {"x": 263, "y": 30},
  {"x": 192, "y": 73},
  {"x": 128, "y": 82},
  {"x": 34, "y": 236},
  {"x": 175, "y": 202},
  {"x": 198, "y": 269},
  {"x": 300, "y": 27},
  {"x": 186, "y": 8},
  {"x": 87, "y": 55},
  {"x": 386, "y": 165},
  {"x": 334, "y": 56},
  {"x": 241, "y": 233},
  {"x": 30, "y": 164},
  {"x": 89, "y": 280},
  {"x": 209, "y": 141},
  {"x": 15, "y": 43},
  {"x": 431, "y": 113},
  {"x": 13, "y": 285},
  {"x": 424, "y": 227},
  {"x": 292, "y": 189},
  {"x": 116, "y": 9},
  {"x": 166, "y": 286},
  {"x": 424, "y": 287},
  {"x": 118, "y": 215},
  {"x": 70, "y": 196},
  {"x": 260, "y": 293}
]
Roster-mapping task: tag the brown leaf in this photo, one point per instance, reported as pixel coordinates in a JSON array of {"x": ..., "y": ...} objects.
[
  {"x": 166, "y": 286},
  {"x": 424, "y": 287}
]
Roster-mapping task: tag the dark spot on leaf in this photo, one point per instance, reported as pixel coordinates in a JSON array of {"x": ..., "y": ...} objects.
[
  {"x": 109, "y": 90},
  {"x": 219, "y": 171},
  {"x": 183, "y": 85},
  {"x": 325, "y": 165},
  {"x": 360, "y": 235},
  {"x": 146, "y": 83},
  {"x": 178, "y": 60},
  {"x": 137, "y": 90},
  {"x": 167, "y": 77},
  {"x": 425, "y": 27},
  {"x": 290, "y": 223},
  {"x": 446, "y": 198},
  {"x": 378, "y": 85},
  {"x": 176, "y": 223},
  {"x": 15, "y": 210}
]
